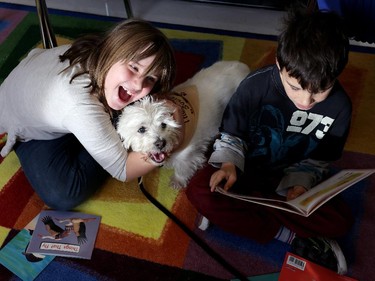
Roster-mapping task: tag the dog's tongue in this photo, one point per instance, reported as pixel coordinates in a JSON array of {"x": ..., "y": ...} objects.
[
  {"x": 158, "y": 157},
  {"x": 123, "y": 94}
]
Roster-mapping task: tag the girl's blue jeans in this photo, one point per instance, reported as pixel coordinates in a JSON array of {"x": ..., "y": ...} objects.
[{"x": 60, "y": 171}]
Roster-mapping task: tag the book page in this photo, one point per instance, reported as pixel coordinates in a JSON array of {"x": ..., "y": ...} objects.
[
  {"x": 311, "y": 200},
  {"x": 318, "y": 195},
  {"x": 281, "y": 204}
]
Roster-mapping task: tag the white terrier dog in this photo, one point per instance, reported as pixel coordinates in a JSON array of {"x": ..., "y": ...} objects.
[{"x": 148, "y": 126}]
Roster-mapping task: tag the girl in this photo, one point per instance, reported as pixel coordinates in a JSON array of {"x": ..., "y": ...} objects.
[{"x": 58, "y": 107}]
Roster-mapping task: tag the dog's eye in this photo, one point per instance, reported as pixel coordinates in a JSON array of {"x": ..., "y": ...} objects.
[
  {"x": 142, "y": 130},
  {"x": 163, "y": 125}
]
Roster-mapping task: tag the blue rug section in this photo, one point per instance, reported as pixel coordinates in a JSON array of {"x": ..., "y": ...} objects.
[
  {"x": 273, "y": 252},
  {"x": 211, "y": 50},
  {"x": 59, "y": 271},
  {"x": 355, "y": 196},
  {"x": 3, "y": 24}
]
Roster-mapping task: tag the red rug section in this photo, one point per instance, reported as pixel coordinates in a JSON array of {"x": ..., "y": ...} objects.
[
  {"x": 13, "y": 199},
  {"x": 187, "y": 65}
]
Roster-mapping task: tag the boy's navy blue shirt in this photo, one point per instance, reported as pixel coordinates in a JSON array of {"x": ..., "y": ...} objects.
[{"x": 279, "y": 134}]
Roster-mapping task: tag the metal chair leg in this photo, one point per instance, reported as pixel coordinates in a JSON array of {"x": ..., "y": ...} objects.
[
  {"x": 48, "y": 37},
  {"x": 46, "y": 32},
  {"x": 128, "y": 9}
]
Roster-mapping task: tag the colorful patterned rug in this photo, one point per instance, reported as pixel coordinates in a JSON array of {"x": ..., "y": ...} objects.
[{"x": 138, "y": 242}]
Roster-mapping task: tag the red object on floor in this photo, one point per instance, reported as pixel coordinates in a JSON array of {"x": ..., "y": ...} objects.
[{"x": 299, "y": 269}]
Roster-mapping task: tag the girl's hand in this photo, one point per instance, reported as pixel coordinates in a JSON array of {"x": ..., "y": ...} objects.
[
  {"x": 179, "y": 117},
  {"x": 226, "y": 173},
  {"x": 294, "y": 192}
]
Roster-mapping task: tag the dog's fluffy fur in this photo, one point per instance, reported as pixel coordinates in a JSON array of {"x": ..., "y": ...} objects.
[{"x": 148, "y": 126}]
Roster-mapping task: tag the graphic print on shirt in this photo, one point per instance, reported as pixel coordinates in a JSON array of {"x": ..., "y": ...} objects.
[
  {"x": 304, "y": 122},
  {"x": 272, "y": 138}
]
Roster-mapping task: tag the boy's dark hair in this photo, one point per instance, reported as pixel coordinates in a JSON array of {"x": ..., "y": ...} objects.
[{"x": 313, "y": 48}]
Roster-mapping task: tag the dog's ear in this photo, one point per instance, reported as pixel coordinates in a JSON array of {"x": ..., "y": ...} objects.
[
  {"x": 124, "y": 143},
  {"x": 170, "y": 121}
]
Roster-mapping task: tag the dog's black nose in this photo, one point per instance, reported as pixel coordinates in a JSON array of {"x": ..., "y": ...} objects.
[{"x": 160, "y": 143}]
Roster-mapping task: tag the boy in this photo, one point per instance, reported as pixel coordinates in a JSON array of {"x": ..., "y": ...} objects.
[{"x": 280, "y": 131}]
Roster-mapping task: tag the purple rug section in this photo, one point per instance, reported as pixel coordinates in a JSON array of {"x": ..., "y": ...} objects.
[{"x": 9, "y": 20}]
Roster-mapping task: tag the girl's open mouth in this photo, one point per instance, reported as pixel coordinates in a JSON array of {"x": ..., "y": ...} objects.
[{"x": 123, "y": 94}]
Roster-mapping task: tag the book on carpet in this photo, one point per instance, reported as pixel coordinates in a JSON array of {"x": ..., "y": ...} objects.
[
  {"x": 299, "y": 269},
  {"x": 13, "y": 255},
  {"x": 61, "y": 233},
  {"x": 311, "y": 200}
]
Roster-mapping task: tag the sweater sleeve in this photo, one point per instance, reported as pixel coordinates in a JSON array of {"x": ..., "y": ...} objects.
[
  {"x": 48, "y": 108},
  {"x": 306, "y": 173},
  {"x": 228, "y": 149},
  {"x": 94, "y": 130},
  {"x": 87, "y": 119}
]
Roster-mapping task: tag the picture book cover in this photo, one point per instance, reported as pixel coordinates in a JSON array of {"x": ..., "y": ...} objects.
[
  {"x": 13, "y": 256},
  {"x": 297, "y": 268},
  {"x": 69, "y": 234}
]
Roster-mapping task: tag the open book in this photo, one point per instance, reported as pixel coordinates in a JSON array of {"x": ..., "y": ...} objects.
[{"x": 311, "y": 200}]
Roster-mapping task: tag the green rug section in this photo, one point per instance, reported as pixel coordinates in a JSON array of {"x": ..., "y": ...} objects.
[{"x": 14, "y": 48}]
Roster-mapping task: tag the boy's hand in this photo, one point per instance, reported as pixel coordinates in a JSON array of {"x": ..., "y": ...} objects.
[
  {"x": 226, "y": 173},
  {"x": 294, "y": 192}
]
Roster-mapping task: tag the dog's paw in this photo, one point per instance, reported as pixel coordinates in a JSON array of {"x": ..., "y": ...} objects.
[{"x": 177, "y": 184}]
